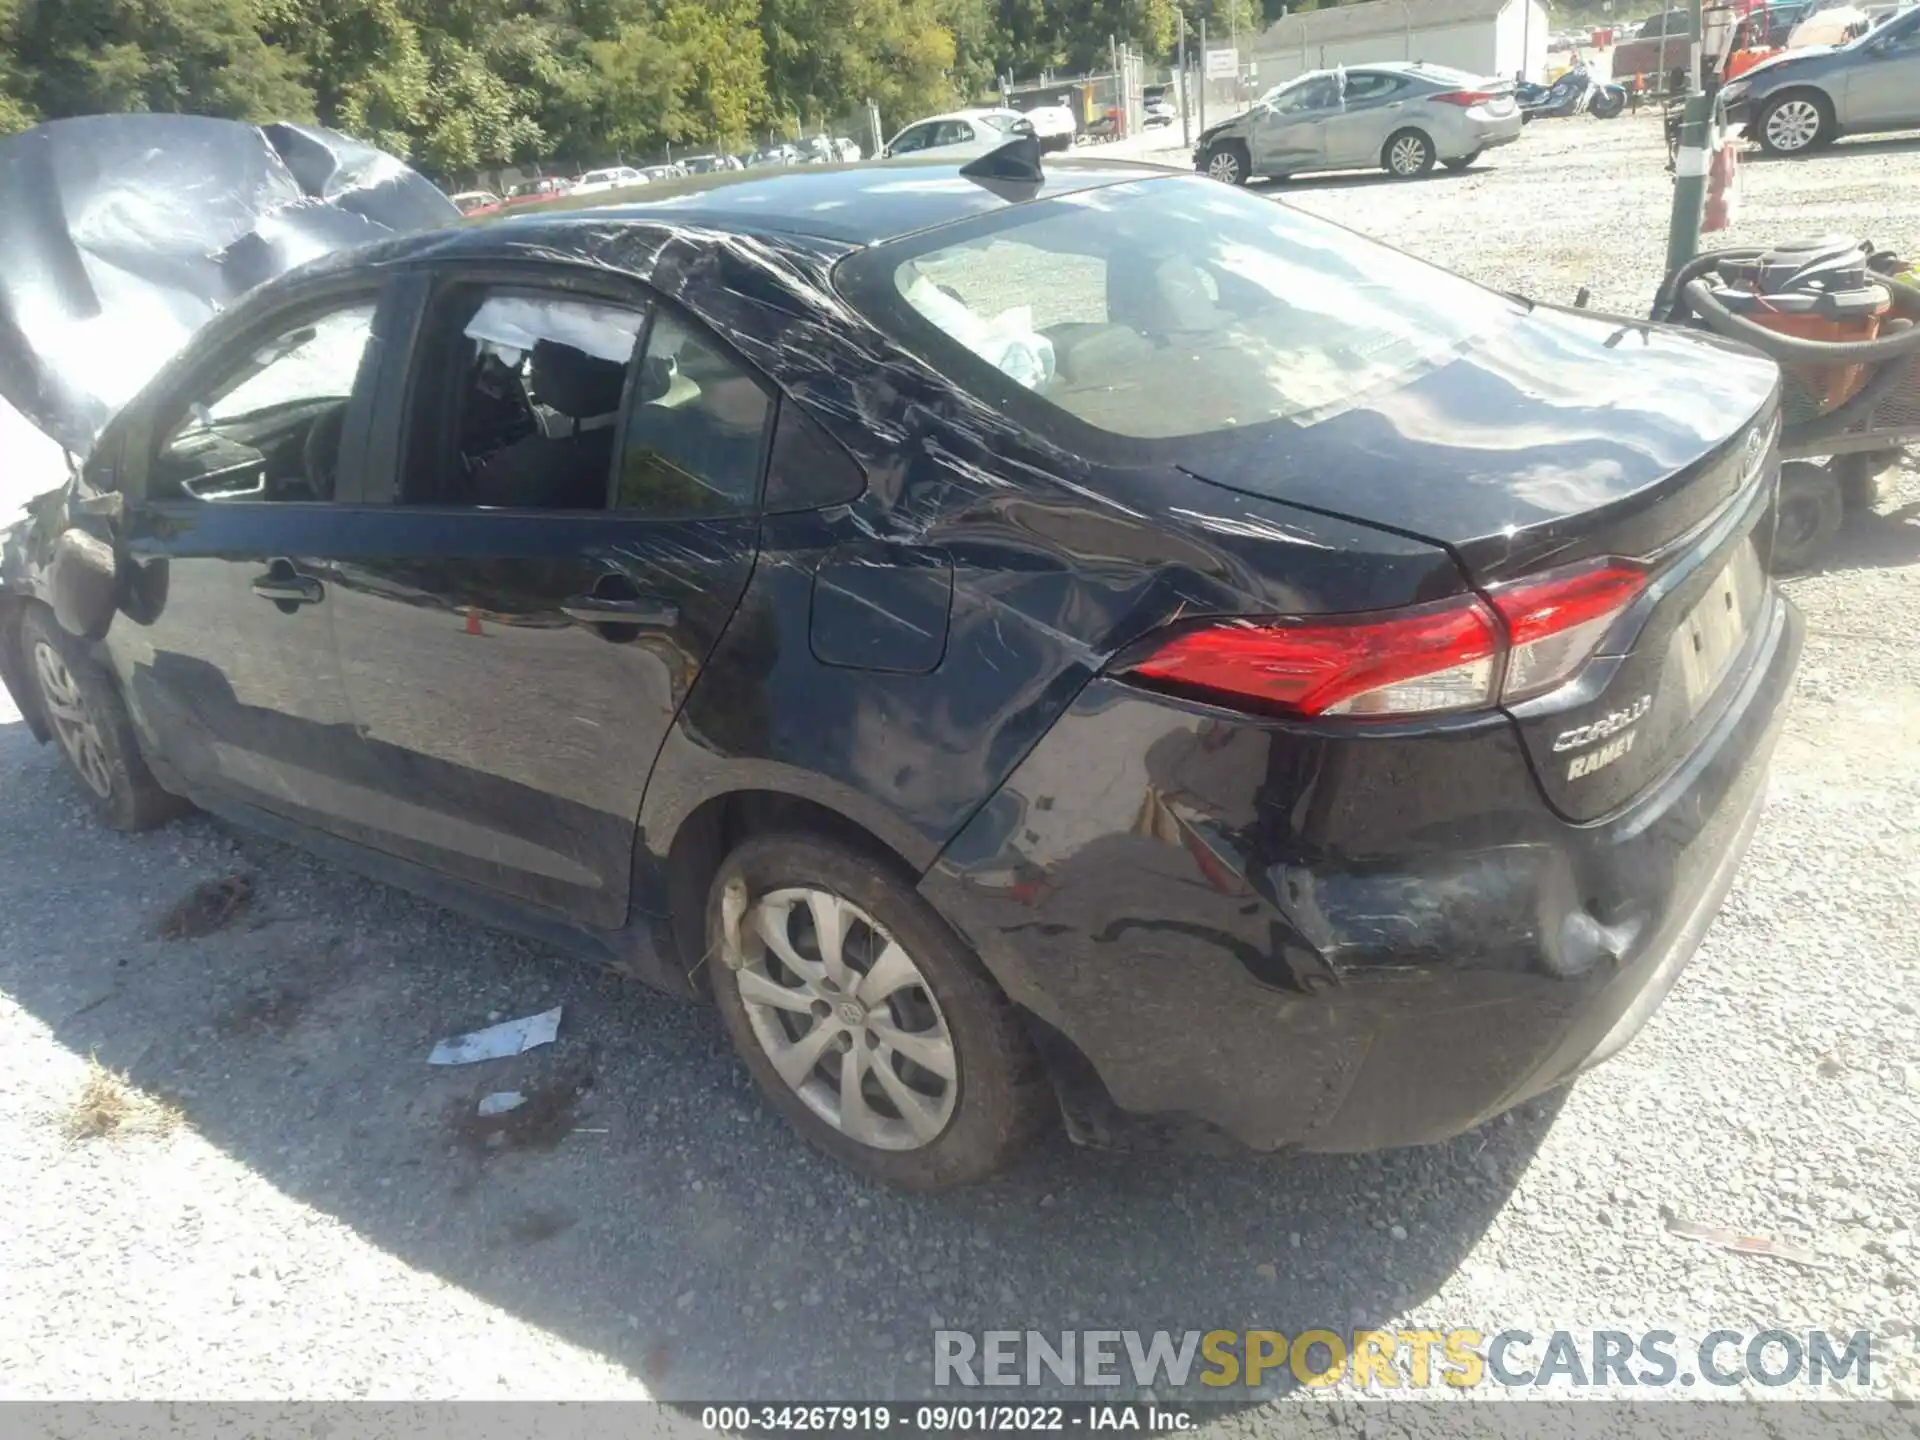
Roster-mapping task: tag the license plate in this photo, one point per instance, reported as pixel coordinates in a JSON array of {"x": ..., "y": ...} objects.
[{"x": 1711, "y": 635}]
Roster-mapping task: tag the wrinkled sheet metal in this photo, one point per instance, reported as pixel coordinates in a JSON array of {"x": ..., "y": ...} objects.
[{"x": 123, "y": 234}]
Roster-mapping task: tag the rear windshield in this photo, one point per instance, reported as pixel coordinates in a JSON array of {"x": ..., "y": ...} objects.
[{"x": 1168, "y": 308}]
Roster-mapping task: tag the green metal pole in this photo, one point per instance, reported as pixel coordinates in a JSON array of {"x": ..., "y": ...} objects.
[{"x": 1692, "y": 161}]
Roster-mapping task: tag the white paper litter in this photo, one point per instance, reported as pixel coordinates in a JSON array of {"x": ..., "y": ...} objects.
[
  {"x": 501, "y": 1101},
  {"x": 497, "y": 1042}
]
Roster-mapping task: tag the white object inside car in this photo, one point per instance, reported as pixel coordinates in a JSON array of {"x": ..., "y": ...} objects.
[
  {"x": 514, "y": 322},
  {"x": 1007, "y": 341}
]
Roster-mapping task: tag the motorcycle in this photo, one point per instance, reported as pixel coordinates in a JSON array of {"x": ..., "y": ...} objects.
[{"x": 1574, "y": 92}]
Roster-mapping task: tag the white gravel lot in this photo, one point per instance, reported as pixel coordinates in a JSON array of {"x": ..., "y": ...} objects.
[{"x": 317, "y": 1226}]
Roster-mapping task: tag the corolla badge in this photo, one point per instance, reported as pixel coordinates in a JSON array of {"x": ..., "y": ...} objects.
[{"x": 1609, "y": 724}]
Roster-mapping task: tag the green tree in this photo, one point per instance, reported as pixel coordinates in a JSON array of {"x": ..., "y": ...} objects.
[{"x": 196, "y": 56}]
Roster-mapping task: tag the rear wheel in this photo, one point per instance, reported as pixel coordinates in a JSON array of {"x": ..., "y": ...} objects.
[
  {"x": 1407, "y": 155},
  {"x": 1461, "y": 162},
  {"x": 865, "y": 1020},
  {"x": 1229, "y": 163},
  {"x": 1795, "y": 123},
  {"x": 1807, "y": 515},
  {"x": 94, "y": 731}
]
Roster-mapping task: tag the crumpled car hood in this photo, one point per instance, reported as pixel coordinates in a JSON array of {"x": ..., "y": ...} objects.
[{"x": 124, "y": 234}]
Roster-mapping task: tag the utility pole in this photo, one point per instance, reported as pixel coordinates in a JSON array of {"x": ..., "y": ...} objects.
[
  {"x": 1202, "y": 74},
  {"x": 1186, "y": 83},
  {"x": 1692, "y": 161}
]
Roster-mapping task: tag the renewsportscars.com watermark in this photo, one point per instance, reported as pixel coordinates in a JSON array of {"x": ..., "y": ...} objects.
[{"x": 1401, "y": 1360}]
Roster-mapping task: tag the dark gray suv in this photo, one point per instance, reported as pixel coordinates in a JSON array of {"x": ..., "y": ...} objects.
[{"x": 1799, "y": 101}]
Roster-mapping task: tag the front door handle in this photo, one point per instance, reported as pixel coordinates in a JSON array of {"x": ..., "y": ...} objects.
[
  {"x": 283, "y": 587},
  {"x": 609, "y": 610}
]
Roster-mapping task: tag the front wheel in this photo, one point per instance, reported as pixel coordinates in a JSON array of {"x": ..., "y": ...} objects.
[
  {"x": 88, "y": 719},
  {"x": 1407, "y": 155},
  {"x": 1795, "y": 123},
  {"x": 1607, "y": 104},
  {"x": 1228, "y": 163},
  {"x": 864, "y": 1019}
]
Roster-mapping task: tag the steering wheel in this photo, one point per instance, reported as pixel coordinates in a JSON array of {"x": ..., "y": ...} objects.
[{"x": 320, "y": 456}]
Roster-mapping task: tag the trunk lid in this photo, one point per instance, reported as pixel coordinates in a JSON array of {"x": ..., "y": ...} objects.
[{"x": 1558, "y": 439}]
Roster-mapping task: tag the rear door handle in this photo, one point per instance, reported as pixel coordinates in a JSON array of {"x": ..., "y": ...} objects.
[
  {"x": 287, "y": 589},
  {"x": 605, "y": 610}
]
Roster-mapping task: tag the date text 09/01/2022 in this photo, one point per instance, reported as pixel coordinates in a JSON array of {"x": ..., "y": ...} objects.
[{"x": 942, "y": 1419}]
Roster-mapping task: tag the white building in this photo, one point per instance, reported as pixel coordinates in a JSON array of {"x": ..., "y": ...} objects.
[{"x": 1486, "y": 37}]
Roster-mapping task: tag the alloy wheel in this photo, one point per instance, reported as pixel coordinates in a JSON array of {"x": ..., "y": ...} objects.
[
  {"x": 1793, "y": 125},
  {"x": 72, "y": 720},
  {"x": 1224, "y": 166},
  {"x": 847, "y": 1019},
  {"x": 1408, "y": 155}
]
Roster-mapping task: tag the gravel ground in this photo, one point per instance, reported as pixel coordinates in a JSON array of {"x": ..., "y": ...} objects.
[{"x": 298, "y": 1206}]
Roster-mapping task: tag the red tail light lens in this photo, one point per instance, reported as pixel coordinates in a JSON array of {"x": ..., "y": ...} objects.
[
  {"x": 1428, "y": 660},
  {"x": 1465, "y": 99},
  {"x": 1413, "y": 662},
  {"x": 1555, "y": 622}
]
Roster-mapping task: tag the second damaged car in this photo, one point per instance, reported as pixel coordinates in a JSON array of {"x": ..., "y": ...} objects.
[{"x": 1024, "y": 642}]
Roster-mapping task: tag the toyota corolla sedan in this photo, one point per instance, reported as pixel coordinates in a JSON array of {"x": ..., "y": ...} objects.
[{"x": 1024, "y": 644}]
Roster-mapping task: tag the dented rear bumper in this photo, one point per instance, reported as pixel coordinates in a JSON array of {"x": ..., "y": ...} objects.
[{"x": 1298, "y": 936}]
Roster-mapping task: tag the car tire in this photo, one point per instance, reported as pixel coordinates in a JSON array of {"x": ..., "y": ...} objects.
[
  {"x": 1796, "y": 123},
  {"x": 1461, "y": 162},
  {"x": 1229, "y": 163},
  {"x": 90, "y": 724},
  {"x": 1807, "y": 515},
  {"x": 796, "y": 1020},
  {"x": 1407, "y": 155}
]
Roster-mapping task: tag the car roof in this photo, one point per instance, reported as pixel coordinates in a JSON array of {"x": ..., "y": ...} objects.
[{"x": 864, "y": 204}]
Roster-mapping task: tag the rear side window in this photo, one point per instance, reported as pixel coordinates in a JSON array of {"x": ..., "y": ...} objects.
[
  {"x": 1168, "y": 308},
  {"x": 696, "y": 435}
]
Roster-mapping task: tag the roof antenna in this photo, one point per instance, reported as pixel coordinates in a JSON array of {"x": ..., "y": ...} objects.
[{"x": 1017, "y": 163}]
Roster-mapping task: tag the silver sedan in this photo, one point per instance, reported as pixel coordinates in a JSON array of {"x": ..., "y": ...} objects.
[{"x": 1404, "y": 117}]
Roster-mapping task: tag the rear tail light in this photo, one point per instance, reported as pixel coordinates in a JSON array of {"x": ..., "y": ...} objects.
[
  {"x": 1465, "y": 99},
  {"x": 1462, "y": 654},
  {"x": 1556, "y": 622}
]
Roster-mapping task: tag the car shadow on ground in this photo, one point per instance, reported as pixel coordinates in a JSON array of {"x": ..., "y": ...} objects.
[
  {"x": 642, "y": 1203},
  {"x": 1357, "y": 179},
  {"x": 1846, "y": 145}
]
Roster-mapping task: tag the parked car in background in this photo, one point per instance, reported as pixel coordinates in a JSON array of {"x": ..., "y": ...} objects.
[
  {"x": 545, "y": 187},
  {"x": 1155, "y": 113},
  {"x": 476, "y": 202},
  {"x": 1404, "y": 117},
  {"x": 710, "y": 164},
  {"x": 1053, "y": 125},
  {"x": 1799, "y": 100},
  {"x": 612, "y": 178},
  {"x": 673, "y": 171},
  {"x": 962, "y": 132}
]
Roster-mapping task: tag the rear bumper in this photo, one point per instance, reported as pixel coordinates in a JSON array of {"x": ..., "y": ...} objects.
[{"x": 1289, "y": 938}]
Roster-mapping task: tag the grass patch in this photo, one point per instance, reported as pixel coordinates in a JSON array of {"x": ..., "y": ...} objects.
[{"x": 110, "y": 1104}]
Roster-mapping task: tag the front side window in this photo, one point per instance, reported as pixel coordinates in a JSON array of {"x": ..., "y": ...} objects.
[
  {"x": 1322, "y": 92},
  {"x": 267, "y": 425},
  {"x": 517, "y": 399},
  {"x": 1168, "y": 308},
  {"x": 696, "y": 435},
  {"x": 914, "y": 138}
]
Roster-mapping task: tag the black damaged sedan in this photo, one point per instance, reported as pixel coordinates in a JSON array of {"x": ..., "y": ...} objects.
[{"x": 1089, "y": 643}]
